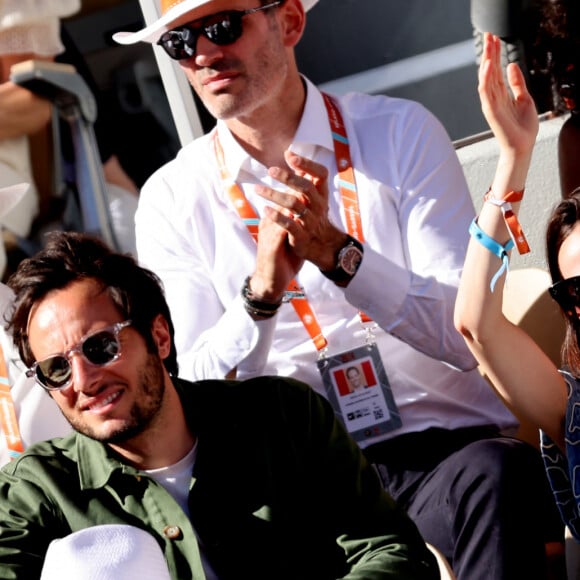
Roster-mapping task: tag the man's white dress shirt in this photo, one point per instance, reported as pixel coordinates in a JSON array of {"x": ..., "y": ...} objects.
[{"x": 416, "y": 211}]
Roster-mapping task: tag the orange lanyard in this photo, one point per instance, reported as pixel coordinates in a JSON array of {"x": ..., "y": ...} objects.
[
  {"x": 346, "y": 178},
  {"x": 349, "y": 196},
  {"x": 511, "y": 220},
  {"x": 8, "y": 421}
]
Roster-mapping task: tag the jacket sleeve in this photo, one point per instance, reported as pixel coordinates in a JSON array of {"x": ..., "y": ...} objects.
[{"x": 27, "y": 527}]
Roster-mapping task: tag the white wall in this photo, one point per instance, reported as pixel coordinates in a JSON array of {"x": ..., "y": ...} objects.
[{"x": 542, "y": 188}]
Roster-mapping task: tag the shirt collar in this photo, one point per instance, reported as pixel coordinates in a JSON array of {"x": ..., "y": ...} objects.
[
  {"x": 314, "y": 128},
  {"x": 313, "y": 132}
]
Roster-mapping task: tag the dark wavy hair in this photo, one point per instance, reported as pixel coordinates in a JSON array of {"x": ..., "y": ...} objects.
[
  {"x": 563, "y": 220},
  {"x": 68, "y": 257}
]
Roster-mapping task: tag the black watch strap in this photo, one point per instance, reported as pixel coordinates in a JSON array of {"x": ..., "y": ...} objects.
[{"x": 348, "y": 261}]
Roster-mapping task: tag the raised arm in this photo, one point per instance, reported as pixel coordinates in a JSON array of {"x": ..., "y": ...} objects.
[{"x": 514, "y": 362}]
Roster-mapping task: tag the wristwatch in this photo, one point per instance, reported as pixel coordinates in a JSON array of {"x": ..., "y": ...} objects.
[{"x": 347, "y": 264}]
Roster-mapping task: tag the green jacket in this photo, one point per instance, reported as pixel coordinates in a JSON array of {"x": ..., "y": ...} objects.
[{"x": 279, "y": 491}]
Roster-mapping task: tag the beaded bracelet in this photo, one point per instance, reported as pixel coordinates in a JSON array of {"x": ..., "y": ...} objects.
[
  {"x": 494, "y": 247},
  {"x": 259, "y": 308},
  {"x": 511, "y": 221}
]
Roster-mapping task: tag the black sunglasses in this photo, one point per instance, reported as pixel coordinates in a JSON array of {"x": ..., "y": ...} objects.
[
  {"x": 99, "y": 348},
  {"x": 567, "y": 294},
  {"x": 222, "y": 29}
]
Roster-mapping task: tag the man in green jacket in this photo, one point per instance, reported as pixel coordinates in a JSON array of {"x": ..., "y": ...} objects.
[{"x": 234, "y": 480}]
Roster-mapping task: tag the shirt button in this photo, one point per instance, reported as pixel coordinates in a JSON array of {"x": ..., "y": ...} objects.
[{"x": 172, "y": 532}]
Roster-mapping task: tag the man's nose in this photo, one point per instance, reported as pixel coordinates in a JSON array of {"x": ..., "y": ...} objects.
[
  {"x": 206, "y": 52},
  {"x": 84, "y": 374}
]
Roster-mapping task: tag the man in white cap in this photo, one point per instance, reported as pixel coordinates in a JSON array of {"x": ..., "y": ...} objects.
[
  {"x": 232, "y": 480},
  {"x": 308, "y": 233}
]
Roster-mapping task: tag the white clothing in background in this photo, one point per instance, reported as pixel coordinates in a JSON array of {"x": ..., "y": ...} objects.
[
  {"x": 15, "y": 168},
  {"x": 122, "y": 208},
  {"x": 26, "y": 27},
  {"x": 33, "y": 26},
  {"x": 38, "y": 415}
]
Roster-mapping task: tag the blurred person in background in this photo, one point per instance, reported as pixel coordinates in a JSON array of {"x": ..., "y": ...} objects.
[{"x": 31, "y": 30}]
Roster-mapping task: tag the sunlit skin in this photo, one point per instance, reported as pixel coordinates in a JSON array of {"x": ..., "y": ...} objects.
[
  {"x": 236, "y": 80},
  {"x": 569, "y": 255},
  {"x": 131, "y": 403},
  {"x": 253, "y": 83}
]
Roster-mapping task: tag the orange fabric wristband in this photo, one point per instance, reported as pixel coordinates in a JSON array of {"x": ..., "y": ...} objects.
[
  {"x": 510, "y": 196},
  {"x": 513, "y": 225}
]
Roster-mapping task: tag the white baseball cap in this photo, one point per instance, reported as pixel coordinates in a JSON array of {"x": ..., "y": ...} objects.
[
  {"x": 106, "y": 552},
  {"x": 171, "y": 11}
]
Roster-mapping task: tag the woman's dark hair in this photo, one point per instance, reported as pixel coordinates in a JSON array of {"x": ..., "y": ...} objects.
[
  {"x": 564, "y": 219},
  {"x": 69, "y": 257}
]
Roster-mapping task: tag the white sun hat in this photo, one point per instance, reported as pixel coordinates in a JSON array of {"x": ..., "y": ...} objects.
[
  {"x": 106, "y": 552},
  {"x": 171, "y": 11}
]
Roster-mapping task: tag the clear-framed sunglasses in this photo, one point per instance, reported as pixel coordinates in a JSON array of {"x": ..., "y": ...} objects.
[{"x": 99, "y": 348}]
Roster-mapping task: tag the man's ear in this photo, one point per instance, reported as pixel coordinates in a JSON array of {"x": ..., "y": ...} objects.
[
  {"x": 161, "y": 336},
  {"x": 293, "y": 22}
]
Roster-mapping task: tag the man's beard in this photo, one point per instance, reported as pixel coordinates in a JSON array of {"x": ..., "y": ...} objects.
[{"x": 147, "y": 405}]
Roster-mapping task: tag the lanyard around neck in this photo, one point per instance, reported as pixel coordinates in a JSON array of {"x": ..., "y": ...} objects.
[
  {"x": 346, "y": 179},
  {"x": 350, "y": 205},
  {"x": 8, "y": 420}
]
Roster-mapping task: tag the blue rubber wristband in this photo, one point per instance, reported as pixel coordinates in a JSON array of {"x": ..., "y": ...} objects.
[{"x": 494, "y": 247}]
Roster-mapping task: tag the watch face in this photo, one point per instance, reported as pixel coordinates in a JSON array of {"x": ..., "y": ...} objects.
[{"x": 350, "y": 260}]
